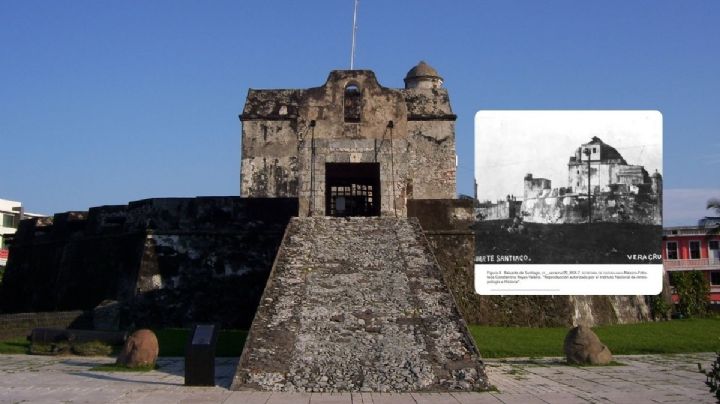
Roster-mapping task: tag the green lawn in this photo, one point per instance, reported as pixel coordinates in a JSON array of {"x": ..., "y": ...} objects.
[
  {"x": 676, "y": 336},
  {"x": 172, "y": 343},
  {"x": 173, "y": 340},
  {"x": 15, "y": 346},
  {"x": 121, "y": 368}
]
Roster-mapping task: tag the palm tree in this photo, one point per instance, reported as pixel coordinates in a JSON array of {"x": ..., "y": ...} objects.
[{"x": 714, "y": 204}]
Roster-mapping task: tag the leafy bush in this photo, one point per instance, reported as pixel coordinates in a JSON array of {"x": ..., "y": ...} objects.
[
  {"x": 713, "y": 377},
  {"x": 54, "y": 348},
  {"x": 92, "y": 348},
  {"x": 692, "y": 288},
  {"x": 659, "y": 307}
]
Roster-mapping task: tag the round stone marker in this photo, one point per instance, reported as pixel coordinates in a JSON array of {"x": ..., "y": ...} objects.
[
  {"x": 140, "y": 350},
  {"x": 583, "y": 347}
]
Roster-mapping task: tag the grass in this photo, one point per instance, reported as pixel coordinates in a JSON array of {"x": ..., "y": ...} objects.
[
  {"x": 587, "y": 365},
  {"x": 172, "y": 343},
  {"x": 173, "y": 340},
  {"x": 53, "y": 348},
  {"x": 677, "y": 336},
  {"x": 89, "y": 348},
  {"x": 121, "y": 368},
  {"x": 15, "y": 346},
  {"x": 92, "y": 348}
]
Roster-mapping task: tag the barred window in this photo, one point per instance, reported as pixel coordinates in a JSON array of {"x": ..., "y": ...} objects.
[
  {"x": 672, "y": 250},
  {"x": 694, "y": 250}
]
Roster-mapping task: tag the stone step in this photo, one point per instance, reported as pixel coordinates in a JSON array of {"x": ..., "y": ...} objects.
[{"x": 358, "y": 304}]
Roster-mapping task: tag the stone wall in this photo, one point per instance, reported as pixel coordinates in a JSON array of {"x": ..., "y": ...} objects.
[
  {"x": 642, "y": 208},
  {"x": 290, "y": 135},
  {"x": 169, "y": 261},
  {"x": 448, "y": 228},
  {"x": 358, "y": 304},
  {"x": 500, "y": 210},
  {"x": 534, "y": 187},
  {"x": 452, "y": 238},
  {"x": 20, "y": 325}
]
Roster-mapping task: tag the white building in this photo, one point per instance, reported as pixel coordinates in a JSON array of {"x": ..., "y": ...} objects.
[
  {"x": 10, "y": 212},
  {"x": 9, "y": 218}
]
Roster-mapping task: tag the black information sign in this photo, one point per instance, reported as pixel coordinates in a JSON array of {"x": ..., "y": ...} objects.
[
  {"x": 200, "y": 355},
  {"x": 203, "y": 334}
]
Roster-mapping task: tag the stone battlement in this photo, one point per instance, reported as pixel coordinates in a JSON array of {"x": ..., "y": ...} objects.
[{"x": 358, "y": 304}]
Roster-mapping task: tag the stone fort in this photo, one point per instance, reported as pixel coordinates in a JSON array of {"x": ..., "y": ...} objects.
[
  {"x": 327, "y": 257},
  {"x": 347, "y": 255},
  {"x": 351, "y": 147}
]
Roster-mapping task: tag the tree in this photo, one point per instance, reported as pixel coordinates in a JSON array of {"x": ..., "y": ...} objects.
[
  {"x": 692, "y": 288},
  {"x": 714, "y": 204}
]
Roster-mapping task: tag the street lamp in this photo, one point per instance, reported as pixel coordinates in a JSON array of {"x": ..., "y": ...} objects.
[{"x": 586, "y": 152}]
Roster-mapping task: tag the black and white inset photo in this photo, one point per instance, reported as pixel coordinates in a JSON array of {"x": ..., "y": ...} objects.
[{"x": 569, "y": 186}]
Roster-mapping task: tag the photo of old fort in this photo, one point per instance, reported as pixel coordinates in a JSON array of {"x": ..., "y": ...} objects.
[{"x": 601, "y": 187}]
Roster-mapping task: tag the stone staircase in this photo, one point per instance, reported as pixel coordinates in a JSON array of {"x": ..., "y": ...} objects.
[{"x": 358, "y": 304}]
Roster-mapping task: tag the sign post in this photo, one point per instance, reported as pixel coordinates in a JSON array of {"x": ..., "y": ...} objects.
[{"x": 200, "y": 355}]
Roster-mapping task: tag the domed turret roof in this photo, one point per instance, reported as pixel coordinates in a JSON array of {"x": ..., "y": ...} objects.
[
  {"x": 422, "y": 70},
  {"x": 607, "y": 152}
]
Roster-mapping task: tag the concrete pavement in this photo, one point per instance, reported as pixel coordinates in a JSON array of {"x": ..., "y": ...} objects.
[{"x": 640, "y": 379}]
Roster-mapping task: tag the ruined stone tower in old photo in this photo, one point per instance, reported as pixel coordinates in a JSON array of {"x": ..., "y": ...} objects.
[{"x": 351, "y": 147}]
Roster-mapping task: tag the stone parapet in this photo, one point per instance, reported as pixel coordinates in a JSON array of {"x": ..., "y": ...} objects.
[{"x": 358, "y": 304}]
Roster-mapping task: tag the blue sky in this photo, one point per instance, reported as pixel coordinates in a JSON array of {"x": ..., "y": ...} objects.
[{"x": 106, "y": 102}]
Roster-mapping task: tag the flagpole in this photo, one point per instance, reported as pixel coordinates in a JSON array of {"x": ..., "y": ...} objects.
[{"x": 354, "y": 30}]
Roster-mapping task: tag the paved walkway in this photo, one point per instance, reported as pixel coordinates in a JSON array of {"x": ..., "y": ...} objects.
[{"x": 641, "y": 379}]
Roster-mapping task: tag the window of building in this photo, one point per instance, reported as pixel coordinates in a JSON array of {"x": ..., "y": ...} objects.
[
  {"x": 10, "y": 221},
  {"x": 715, "y": 278},
  {"x": 672, "y": 250},
  {"x": 714, "y": 245},
  {"x": 352, "y": 103},
  {"x": 694, "y": 250},
  {"x": 352, "y": 189}
]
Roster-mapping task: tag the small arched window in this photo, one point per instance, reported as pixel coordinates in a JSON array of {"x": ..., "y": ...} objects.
[{"x": 352, "y": 103}]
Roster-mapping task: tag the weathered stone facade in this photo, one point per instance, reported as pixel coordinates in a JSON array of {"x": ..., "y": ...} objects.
[
  {"x": 358, "y": 304},
  {"x": 171, "y": 261},
  {"x": 500, "y": 210},
  {"x": 295, "y": 143},
  {"x": 620, "y": 192},
  {"x": 168, "y": 262},
  {"x": 448, "y": 226}
]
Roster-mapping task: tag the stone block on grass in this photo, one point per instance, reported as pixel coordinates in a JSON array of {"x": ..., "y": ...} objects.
[
  {"x": 140, "y": 350},
  {"x": 583, "y": 347}
]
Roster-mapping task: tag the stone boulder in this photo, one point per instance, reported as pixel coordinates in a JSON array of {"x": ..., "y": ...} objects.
[
  {"x": 106, "y": 316},
  {"x": 140, "y": 350},
  {"x": 583, "y": 347}
]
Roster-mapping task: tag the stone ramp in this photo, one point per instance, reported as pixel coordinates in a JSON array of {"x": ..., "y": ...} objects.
[{"x": 358, "y": 304}]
